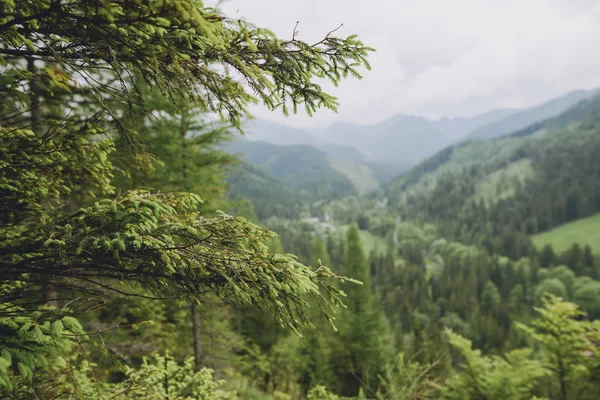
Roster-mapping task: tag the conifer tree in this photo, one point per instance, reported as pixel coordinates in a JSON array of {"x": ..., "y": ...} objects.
[
  {"x": 364, "y": 346},
  {"x": 569, "y": 349},
  {"x": 512, "y": 377},
  {"x": 490, "y": 298},
  {"x": 188, "y": 158},
  {"x": 320, "y": 256},
  {"x": 137, "y": 242}
]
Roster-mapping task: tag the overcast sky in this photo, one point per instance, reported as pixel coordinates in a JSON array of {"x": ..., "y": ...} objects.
[{"x": 444, "y": 57}]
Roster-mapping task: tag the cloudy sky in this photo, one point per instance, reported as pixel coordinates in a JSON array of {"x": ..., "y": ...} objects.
[{"x": 444, "y": 57}]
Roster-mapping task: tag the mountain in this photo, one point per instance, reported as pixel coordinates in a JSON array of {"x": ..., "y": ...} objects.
[
  {"x": 399, "y": 141},
  {"x": 303, "y": 174},
  {"x": 529, "y": 181},
  {"x": 459, "y": 157},
  {"x": 519, "y": 120},
  {"x": 403, "y": 141},
  {"x": 460, "y": 127},
  {"x": 299, "y": 167},
  {"x": 267, "y": 193},
  {"x": 271, "y": 132}
]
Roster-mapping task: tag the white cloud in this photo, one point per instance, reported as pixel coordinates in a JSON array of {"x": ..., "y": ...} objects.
[{"x": 439, "y": 57}]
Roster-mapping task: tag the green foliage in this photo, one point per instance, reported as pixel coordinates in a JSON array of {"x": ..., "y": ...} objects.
[
  {"x": 31, "y": 343},
  {"x": 550, "y": 286},
  {"x": 365, "y": 343},
  {"x": 319, "y": 253},
  {"x": 490, "y": 298},
  {"x": 158, "y": 377},
  {"x": 96, "y": 239},
  {"x": 163, "y": 244},
  {"x": 73, "y": 103},
  {"x": 321, "y": 393},
  {"x": 406, "y": 379},
  {"x": 268, "y": 195},
  {"x": 587, "y": 295},
  {"x": 161, "y": 377},
  {"x": 510, "y": 377},
  {"x": 187, "y": 41},
  {"x": 568, "y": 348}
]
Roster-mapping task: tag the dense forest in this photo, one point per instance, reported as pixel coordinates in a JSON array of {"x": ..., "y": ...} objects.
[{"x": 142, "y": 257}]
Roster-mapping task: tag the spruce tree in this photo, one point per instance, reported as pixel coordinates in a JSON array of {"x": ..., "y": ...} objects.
[
  {"x": 320, "y": 256},
  {"x": 138, "y": 242},
  {"x": 188, "y": 154},
  {"x": 512, "y": 377},
  {"x": 569, "y": 349},
  {"x": 364, "y": 344}
]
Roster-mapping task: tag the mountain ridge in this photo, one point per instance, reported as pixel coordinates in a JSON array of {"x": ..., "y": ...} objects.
[
  {"x": 405, "y": 140},
  {"x": 531, "y": 115}
]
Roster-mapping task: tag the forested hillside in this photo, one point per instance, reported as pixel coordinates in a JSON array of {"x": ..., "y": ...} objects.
[
  {"x": 302, "y": 167},
  {"x": 308, "y": 173},
  {"x": 140, "y": 258},
  {"x": 267, "y": 193},
  {"x": 458, "y": 261},
  {"x": 528, "y": 182}
]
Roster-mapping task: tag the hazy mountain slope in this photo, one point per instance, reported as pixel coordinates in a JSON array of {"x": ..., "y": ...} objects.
[
  {"x": 271, "y": 132},
  {"x": 268, "y": 194},
  {"x": 462, "y": 156},
  {"x": 306, "y": 168},
  {"x": 398, "y": 140},
  {"x": 405, "y": 140},
  {"x": 532, "y": 180},
  {"x": 530, "y": 116},
  {"x": 361, "y": 176},
  {"x": 385, "y": 173},
  {"x": 299, "y": 167},
  {"x": 458, "y": 128}
]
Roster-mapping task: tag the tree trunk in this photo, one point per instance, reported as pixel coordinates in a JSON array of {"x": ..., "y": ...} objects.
[
  {"x": 196, "y": 323},
  {"x": 49, "y": 294},
  {"x": 196, "y": 326},
  {"x": 34, "y": 100}
]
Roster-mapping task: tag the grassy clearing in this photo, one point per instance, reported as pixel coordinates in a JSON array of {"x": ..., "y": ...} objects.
[
  {"x": 360, "y": 175},
  {"x": 584, "y": 232}
]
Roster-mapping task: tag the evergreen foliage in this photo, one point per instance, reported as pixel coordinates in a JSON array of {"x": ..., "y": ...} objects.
[
  {"x": 365, "y": 343},
  {"x": 75, "y": 93},
  {"x": 510, "y": 377},
  {"x": 123, "y": 252}
]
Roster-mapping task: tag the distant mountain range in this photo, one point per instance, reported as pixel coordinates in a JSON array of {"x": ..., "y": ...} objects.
[
  {"x": 311, "y": 170},
  {"x": 460, "y": 127},
  {"x": 284, "y": 178},
  {"x": 403, "y": 140},
  {"x": 524, "y": 118},
  {"x": 533, "y": 179},
  {"x": 525, "y": 144}
]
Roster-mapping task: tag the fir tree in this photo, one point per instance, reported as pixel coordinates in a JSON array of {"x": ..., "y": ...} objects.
[
  {"x": 512, "y": 377},
  {"x": 365, "y": 345},
  {"x": 569, "y": 349},
  {"x": 138, "y": 242}
]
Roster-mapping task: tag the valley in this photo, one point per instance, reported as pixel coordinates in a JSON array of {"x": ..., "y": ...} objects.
[
  {"x": 471, "y": 237},
  {"x": 431, "y": 232}
]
